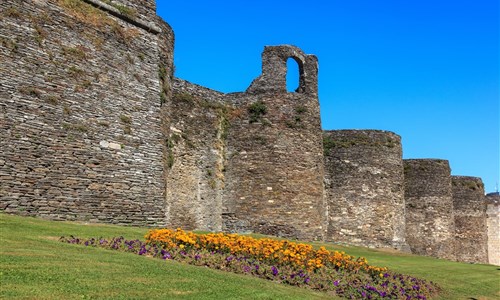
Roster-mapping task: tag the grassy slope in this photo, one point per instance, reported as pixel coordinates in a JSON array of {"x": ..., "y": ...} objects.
[{"x": 34, "y": 265}]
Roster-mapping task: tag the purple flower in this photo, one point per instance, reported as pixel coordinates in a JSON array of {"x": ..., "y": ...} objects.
[
  {"x": 363, "y": 294},
  {"x": 275, "y": 270},
  {"x": 336, "y": 283},
  {"x": 307, "y": 280}
]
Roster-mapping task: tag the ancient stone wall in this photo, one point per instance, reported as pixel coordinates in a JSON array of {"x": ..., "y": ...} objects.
[
  {"x": 274, "y": 157},
  {"x": 196, "y": 157},
  {"x": 493, "y": 225},
  {"x": 93, "y": 126},
  {"x": 81, "y": 118},
  {"x": 364, "y": 187},
  {"x": 430, "y": 225},
  {"x": 469, "y": 212}
]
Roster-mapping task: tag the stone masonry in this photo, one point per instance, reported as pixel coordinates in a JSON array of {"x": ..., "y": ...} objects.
[
  {"x": 274, "y": 155},
  {"x": 80, "y": 114},
  {"x": 493, "y": 224},
  {"x": 365, "y": 188},
  {"x": 469, "y": 211},
  {"x": 429, "y": 207},
  {"x": 94, "y": 127}
]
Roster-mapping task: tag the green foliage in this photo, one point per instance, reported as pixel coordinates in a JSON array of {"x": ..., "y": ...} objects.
[
  {"x": 125, "y": 119},
  {"x": 75, "y": 127},
  {"x": 86, "y": 13},
  {"x": 300, "y": 110},
  {"x": 67, "y": 110},
  {"x": 469, "y": 184},
  {"x": 224, "y": 124},
  {"x": 124, "y": 10},
  {"x": 256, "y": 110},
  {"x": 52, "y": 99},
  {"x": 162, "y": 71},
  {"x": 296, "y": 121},
  {"x": 183, "y": 97},
  {"x": 75, "y": 72},
  {"x": 9, "y": 44},
  {"x": 174, "y": 138},
  {"x": 212, "y": 183},
  {"x": 366, "y": 141},
  {"x": 40, "y": 34},
  {"x": 170, "y": 159},
  {"x": 328, "y": 143},
  {"x": 30, "y": 90},
  {"x": 163, "y": 97},
  {"x": 74, "y": 52},
  {"x": 12, "y": 12}
]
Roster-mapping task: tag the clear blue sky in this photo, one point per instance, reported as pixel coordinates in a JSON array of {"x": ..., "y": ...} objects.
[{"x": 427, "y": 70}]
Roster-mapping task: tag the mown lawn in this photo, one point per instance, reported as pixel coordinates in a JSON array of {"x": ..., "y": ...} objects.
[{"x": 34, "y": 265}]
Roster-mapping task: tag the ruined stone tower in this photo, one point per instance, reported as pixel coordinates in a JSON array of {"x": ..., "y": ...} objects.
[{"x": 275, "y": 154}]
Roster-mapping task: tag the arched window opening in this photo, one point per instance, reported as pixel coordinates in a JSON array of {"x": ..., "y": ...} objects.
[{"x": 292, "y": 75}]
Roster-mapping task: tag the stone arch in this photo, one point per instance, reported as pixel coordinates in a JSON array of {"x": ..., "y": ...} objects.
[{"x": 298, "y": 81}]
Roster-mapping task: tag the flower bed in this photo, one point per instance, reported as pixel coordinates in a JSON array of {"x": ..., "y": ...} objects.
[{"x": 283, "y": 261}]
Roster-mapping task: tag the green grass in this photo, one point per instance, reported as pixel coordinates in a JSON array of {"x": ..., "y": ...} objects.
[{"x": 34, "y": 265}]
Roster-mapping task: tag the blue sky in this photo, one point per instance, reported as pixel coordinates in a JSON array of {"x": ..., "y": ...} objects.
[{"x": 427, "y": 70}]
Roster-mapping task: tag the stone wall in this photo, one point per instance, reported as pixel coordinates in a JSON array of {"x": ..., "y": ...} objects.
[
  {"x": 274, "y": 168},
  {"x": 94, "y": 127},
  {"x": 80, "y": 113},
  {"x": 493, "y": 225},
  {"x": 430, "y": 225},
  {"x": 196, "y": 157},
  {"x": 364, "y": 187},
  {"x": 469, "y": 212}
]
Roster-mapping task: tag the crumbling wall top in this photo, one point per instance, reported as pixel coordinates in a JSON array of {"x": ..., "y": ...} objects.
[{"x": 274, "y": 70}]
